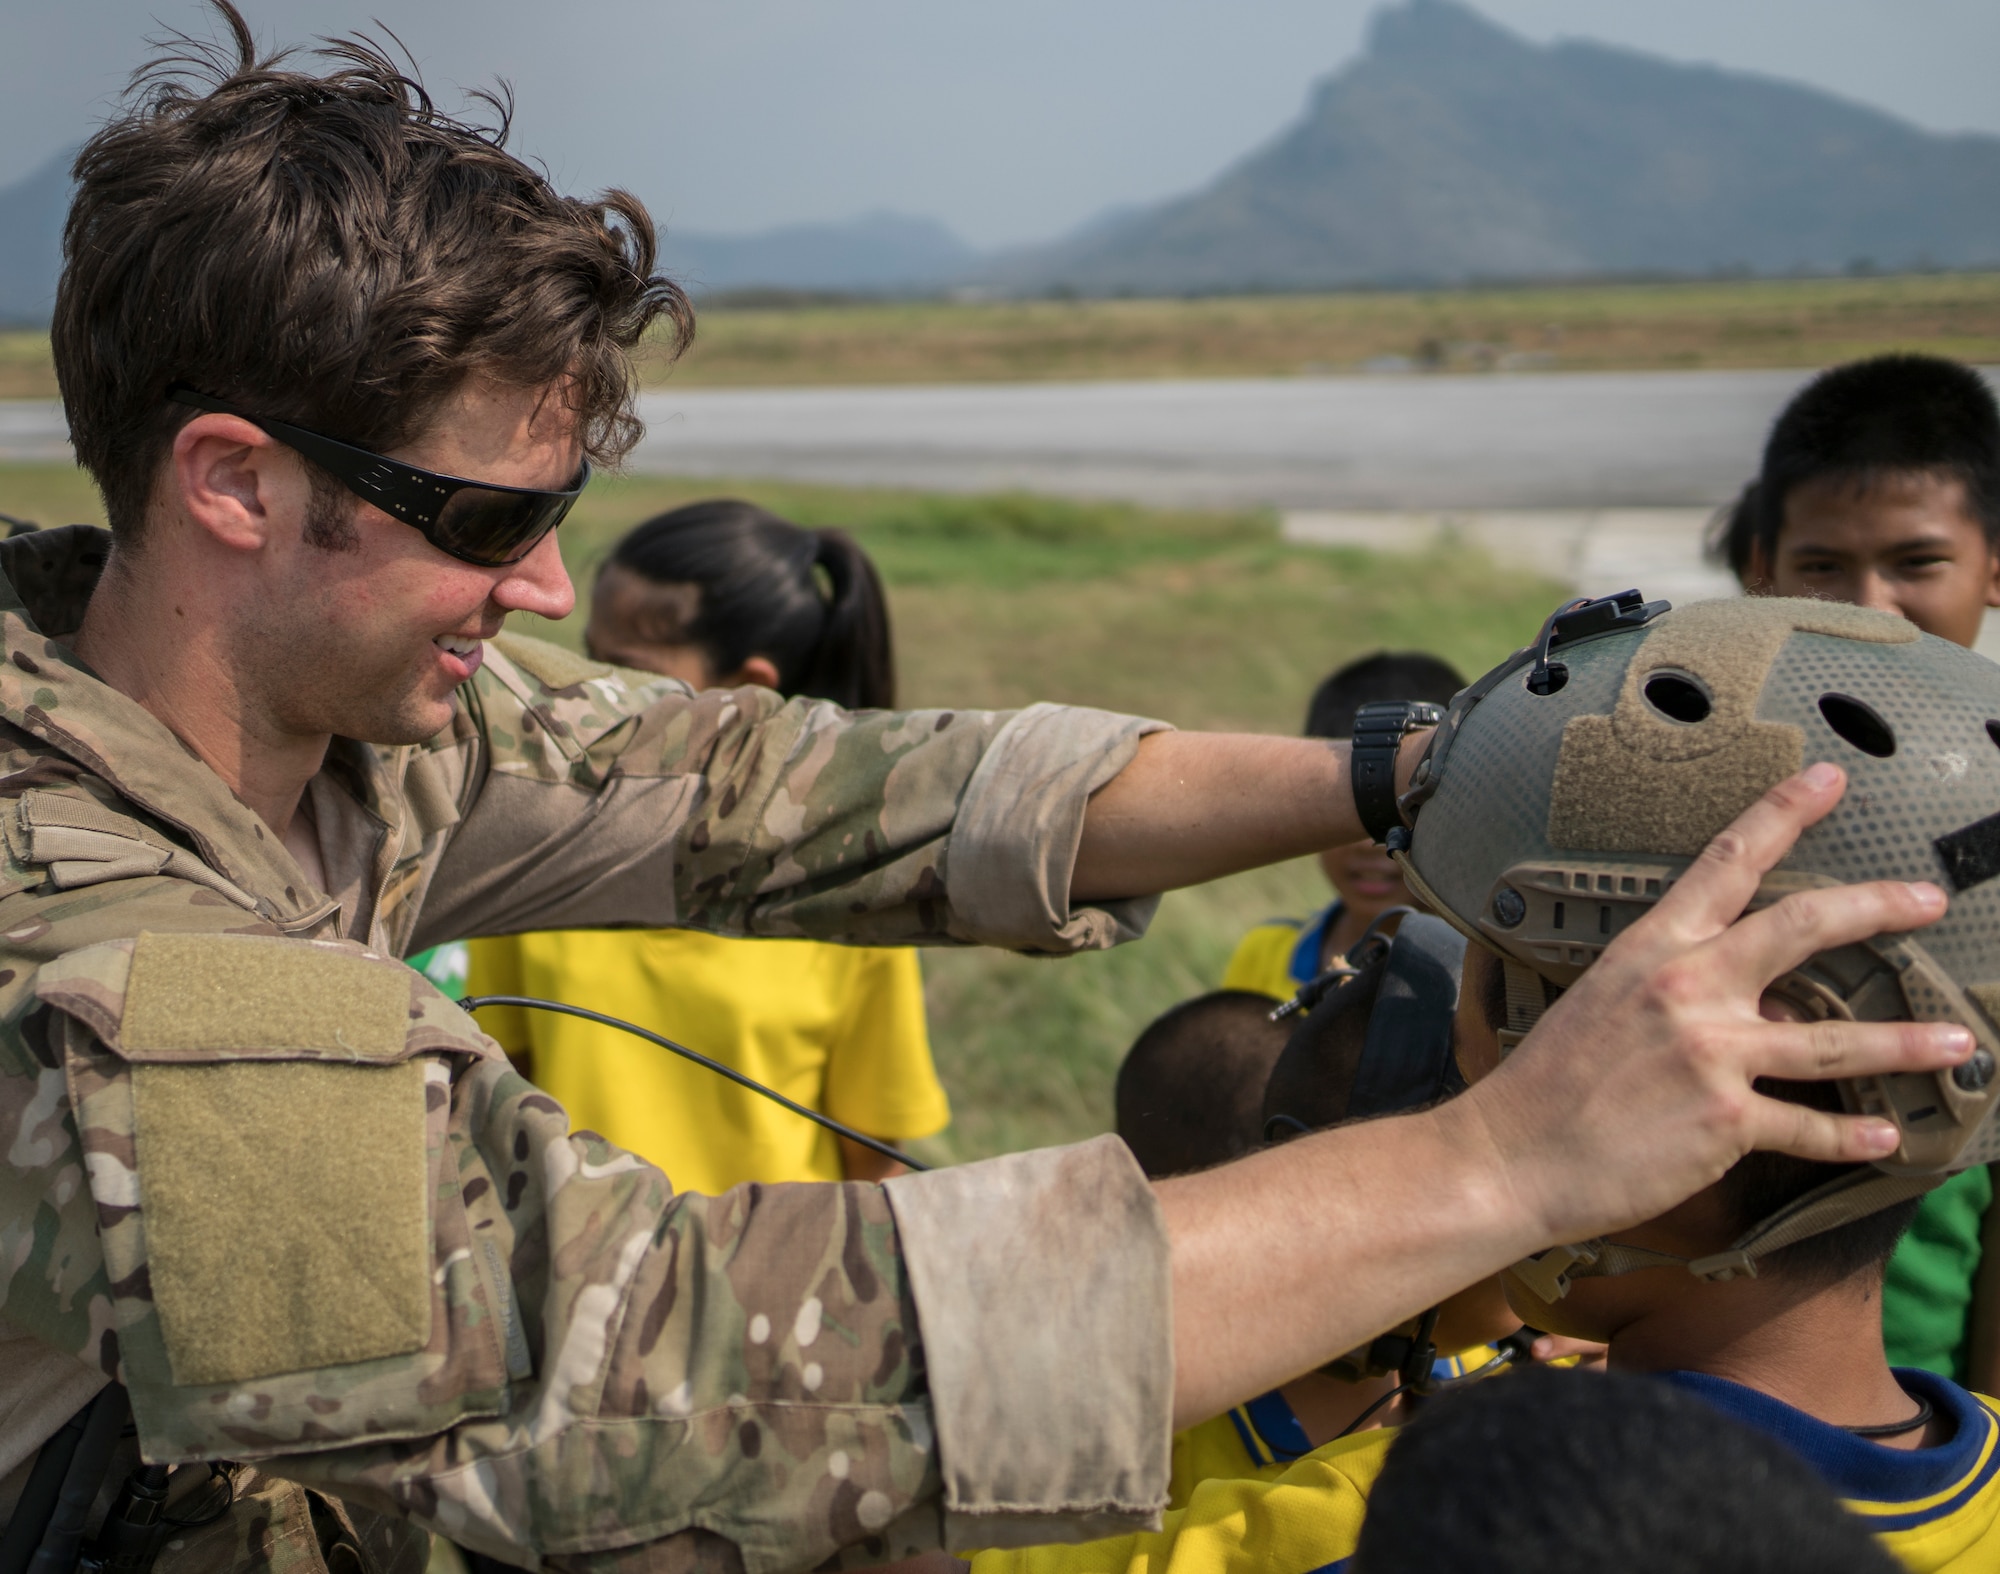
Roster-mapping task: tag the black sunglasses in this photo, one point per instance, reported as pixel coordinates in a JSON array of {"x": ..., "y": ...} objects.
[{"x": 473, "y": 521}]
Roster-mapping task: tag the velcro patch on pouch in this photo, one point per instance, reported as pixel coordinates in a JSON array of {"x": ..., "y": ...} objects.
[
  {"x": 201, "y": 997},
  {"x": 279, "y": 1133},
  {"x": 285, "y": 1213}
]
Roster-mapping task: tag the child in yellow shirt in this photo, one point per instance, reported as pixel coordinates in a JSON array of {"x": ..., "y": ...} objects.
[{"x": 720, "y": 595}]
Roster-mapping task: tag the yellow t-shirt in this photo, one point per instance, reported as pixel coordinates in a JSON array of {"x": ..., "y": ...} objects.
[
  {"x": 1260, "y": 1440},
  {"x": 1936, "y": 1511},
  {"x": 1281, "y": 957},
  {"x": 838, "y": 1028},
  {"x": 1300, "y": 1519}
]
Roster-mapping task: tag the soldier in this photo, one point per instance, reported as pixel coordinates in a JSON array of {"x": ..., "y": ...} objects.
[{"x": 262, "y": 739}]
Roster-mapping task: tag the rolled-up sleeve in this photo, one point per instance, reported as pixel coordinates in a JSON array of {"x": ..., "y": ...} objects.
[
  {"x": 1018, "y": 829},
  {"x": 589, "y": 797},
  {"x": 1043, "y": 1299}
]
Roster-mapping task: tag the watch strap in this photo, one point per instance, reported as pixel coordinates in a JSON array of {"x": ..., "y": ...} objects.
[{"x": 1379, "y": 731}]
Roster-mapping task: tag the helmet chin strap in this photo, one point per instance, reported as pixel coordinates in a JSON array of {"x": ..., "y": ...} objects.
[
  {"x": 1526, "y": 1001},
  {"x": 1841, "y": 1200}
]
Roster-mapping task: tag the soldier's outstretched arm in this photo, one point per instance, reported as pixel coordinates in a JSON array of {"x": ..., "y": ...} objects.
[
  {"x": 1194, "y": 806},
  {"x": 572, "y": 794}
]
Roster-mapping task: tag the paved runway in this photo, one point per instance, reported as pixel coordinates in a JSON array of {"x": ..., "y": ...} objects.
[
  {"x": 1556, "y": 440},
  {"x": 1515, "y": 442},
  {"x": 1591, "y": 478}
]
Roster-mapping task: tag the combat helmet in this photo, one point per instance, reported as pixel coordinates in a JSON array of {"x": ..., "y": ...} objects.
[{"x": 1568, "y": 788}]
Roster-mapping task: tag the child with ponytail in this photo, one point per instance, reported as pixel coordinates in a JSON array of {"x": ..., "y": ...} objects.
[{"x": 723, "y": 594}]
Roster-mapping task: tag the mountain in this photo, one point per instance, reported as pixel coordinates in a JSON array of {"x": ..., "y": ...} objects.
[
  {"x": 1452, "y": 150},
  {"x": 1449, "y": 151},
  {"x": 877, "y": 253},
  {"x": 31, "y": 220}
]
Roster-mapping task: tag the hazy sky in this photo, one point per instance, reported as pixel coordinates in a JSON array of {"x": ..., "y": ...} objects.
[{"x": 1010, "y": 120}]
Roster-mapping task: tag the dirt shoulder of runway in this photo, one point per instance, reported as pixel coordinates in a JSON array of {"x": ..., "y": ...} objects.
[
  {"x": 1622, "y": 327},
  {"x": 1750, "y": 323}
]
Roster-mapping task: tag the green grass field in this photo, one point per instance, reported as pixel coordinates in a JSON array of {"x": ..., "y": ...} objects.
[
  {"x": 1762, "y": 322},
  {"x": 1204, "y": 620}
]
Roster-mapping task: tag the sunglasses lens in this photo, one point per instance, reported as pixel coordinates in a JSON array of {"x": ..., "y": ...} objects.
[{"x": 493, "y": 528}]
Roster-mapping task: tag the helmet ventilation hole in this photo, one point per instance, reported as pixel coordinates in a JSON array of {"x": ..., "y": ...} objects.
[
  {"x": 1858, "y": 724},
  {"x": 1678, "y": 697}
]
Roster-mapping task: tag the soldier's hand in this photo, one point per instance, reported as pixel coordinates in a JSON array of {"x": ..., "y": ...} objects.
[{"x": 1635, "y": 1090}]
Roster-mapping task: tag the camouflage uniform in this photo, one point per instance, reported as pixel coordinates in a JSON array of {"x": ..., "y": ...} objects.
[{"x": 270, "y": 1179}]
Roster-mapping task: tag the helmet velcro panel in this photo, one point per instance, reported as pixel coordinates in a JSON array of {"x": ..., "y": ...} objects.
[{"x": 1646, "y": 780}]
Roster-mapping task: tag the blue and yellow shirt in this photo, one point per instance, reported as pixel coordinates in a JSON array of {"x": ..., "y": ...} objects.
[
  {"x": 1280, "y": 957},
  {"x": 1936, "y": 1510},
  {"x": 1258, "y": 1441}
]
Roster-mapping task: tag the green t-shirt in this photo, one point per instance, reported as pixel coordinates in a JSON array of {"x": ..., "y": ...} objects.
[
  {"x": 1927, "y": 1299},
  {"x": 445, "y": 965}
]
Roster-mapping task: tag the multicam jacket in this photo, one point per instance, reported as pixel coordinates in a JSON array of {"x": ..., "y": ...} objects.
[{"x": 261, "y": 1173}]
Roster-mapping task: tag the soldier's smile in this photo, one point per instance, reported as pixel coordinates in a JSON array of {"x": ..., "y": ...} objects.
[{"x": 459, "y": 654}]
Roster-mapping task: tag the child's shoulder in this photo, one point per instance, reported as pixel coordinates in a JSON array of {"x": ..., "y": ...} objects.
[
  {"x": 1355, "y": 1461},
  {"x": 1267, "y": 960}
]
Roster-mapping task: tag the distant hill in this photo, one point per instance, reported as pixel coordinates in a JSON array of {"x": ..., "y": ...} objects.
[
  {"x": 877, "y": 253},
  {"x": 1449, "y": 151},
  {"x": 1452, "y": 151},
  {"x": 31, "y": 220}
]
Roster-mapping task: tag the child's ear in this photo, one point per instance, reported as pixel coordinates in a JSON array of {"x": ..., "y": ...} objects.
[{"x": 1992, "y": 575}]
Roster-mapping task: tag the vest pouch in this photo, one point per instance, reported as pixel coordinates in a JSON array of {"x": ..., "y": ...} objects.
[{"x": 265, "y": 1129}]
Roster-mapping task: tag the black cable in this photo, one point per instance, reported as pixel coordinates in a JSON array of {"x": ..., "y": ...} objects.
[
  {"x": 534, "y": 1003},
  {"x": 1363, "y": 1417},
  {"x": 218, "y": 1470},
  {"x": 1418, "y": 1368},
  {"x": 1506, "y": 1352}
]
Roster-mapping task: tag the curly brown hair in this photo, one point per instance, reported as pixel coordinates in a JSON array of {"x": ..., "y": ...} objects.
[{"x": 334, "y": 251}]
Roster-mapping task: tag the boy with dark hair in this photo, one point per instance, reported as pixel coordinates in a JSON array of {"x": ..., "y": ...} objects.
[
  {"x": 1880, "y": 486},
  {"x": 1553, "y": 819},
  {"x": 1280, "y": 957},
  {"x": 1562, "y": 1473},
  {"x": 1190, "y": 1090}
]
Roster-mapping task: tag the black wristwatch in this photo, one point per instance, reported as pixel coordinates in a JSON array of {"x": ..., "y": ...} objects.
[{"x": 1379, "y": 730}]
